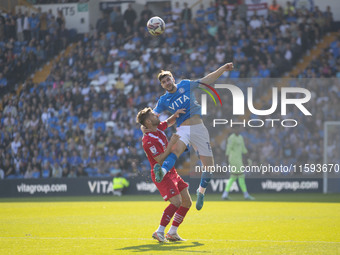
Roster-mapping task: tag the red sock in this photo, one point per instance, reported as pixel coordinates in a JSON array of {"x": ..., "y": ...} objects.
[
  {"x": 179, "y": 216},
  {"x": 167, "y": 214}
]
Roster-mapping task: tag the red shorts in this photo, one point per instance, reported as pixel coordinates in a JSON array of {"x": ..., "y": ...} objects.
[{"x": 171, "y": 185}]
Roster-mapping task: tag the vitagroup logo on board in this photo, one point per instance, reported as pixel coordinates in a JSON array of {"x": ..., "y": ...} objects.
[{"x": 239, "y": 105}]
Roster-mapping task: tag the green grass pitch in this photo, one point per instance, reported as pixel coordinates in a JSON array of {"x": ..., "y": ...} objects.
[{"x": 274, "y": 224}]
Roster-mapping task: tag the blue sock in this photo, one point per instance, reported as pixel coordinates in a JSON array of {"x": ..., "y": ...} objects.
[
  {"x": 169, "y": 162},
  {"x": 205, "y": 179}
]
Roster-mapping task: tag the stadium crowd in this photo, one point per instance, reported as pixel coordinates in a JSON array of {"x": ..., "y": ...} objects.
[
  {"x": 81, "y": 120},
  {"x": 27, "y": 41}
]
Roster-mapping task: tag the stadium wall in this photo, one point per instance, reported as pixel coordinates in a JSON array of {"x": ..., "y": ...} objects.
[{"x": 142, "y": 186}]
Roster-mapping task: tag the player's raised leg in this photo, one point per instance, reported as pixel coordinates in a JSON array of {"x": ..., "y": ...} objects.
[
  {"x": 170, "y": 161},
  {"x": 205, "y": 180}
]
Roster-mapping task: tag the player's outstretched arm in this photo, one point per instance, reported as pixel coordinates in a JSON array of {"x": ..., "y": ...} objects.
[
  {"x": 172, "y": 119},
  {"x": 212, "y": 77},
  {"x": 173, "y": 140}
]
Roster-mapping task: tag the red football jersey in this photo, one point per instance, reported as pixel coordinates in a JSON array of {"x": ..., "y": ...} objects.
[{"x": 155, "y": 143}]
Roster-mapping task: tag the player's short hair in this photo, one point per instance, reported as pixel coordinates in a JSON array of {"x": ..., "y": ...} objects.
[
  {"x": 163, "y": 73},
  {"x": 143, "y": 115}
]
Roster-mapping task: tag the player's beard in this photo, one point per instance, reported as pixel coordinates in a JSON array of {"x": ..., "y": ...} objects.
[{"x": 172, "y": 88}]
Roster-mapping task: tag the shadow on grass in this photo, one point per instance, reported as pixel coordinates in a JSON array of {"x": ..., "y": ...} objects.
[{"x": 170, "y": 246}]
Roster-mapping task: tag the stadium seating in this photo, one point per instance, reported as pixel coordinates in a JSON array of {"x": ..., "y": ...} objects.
[{"x": 117, "y": 82}]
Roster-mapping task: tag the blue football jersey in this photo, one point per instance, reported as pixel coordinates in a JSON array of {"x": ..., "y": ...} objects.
[{"x": 183, "y": 98}]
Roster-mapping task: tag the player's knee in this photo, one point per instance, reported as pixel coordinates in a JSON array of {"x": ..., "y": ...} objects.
[
  {"x": 187, "y": 203},
  {"x": 177, "y": 152},
  {"x": 178, "y": 149},
  {"x": 207, "y": 161},
  {"x": 177, "y": 202}
]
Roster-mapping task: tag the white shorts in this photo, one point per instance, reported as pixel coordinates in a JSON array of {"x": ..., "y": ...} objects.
[{"x": 198, "y": 136}]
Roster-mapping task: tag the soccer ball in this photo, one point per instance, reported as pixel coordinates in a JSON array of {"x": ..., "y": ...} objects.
[{"x": 156, "y": 26}]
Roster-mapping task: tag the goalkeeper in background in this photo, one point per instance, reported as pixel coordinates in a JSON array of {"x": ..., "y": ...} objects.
[{"x": 234, "y": 150}]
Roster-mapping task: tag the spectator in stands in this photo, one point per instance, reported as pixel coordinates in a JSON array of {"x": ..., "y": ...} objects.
[
  {"x": 57, "y": 171},
  {"x": 211, "y": 12},
  {"x": 34, "y": 23},
  {"x": 52, "y": 25},
  {"x": 46, "y": 170},
  {"x": 20, "y": 26},
  {"x": 26, "y": 27},
  {"x": 328, "y": 19},
  {"x": 274, "y": 7},
  {"x": 200, "y": 14},
  {"x": 176, "y": 12},
  {"x": 289, "y": 8},
  {"x": 10, "y": 108},
  {"x": 29, "y": 171},
  {"x": 167, "y": 11},
  {"x": 130, "y": 16},
  {"x": 118, "y": 24},
  {"x": 16, "y": 144},
  {"x": 11, "y": 26},
  {"x": 146, "y": 12},
  {"x": 8, "y": 168},
  {"x": 102, "y": 23},
  {"x": 113, "y": 15},
  {"x": 255, "y": 22},
  {"x": 2, "y": 28},
  {"x": 3, "y": 80},
  {"x": 60, "y": 19},
  {"x": 186, "y": 13},
  {"x": 242, "y": 10},
  {"x": 43, "y": 25}
]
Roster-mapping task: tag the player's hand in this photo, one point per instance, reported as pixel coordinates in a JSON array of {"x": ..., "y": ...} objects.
[
  {"x": 178, "y": 112},
  {"x": 174, "y": 138},
  {"x": 229, "y": 66}
]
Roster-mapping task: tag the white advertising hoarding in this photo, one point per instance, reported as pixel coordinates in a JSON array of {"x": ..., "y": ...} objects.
[{"x": 258, "y": 6}]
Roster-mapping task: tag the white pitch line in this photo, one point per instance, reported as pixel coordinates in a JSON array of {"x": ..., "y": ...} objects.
[{"x": 149, "y": 239}]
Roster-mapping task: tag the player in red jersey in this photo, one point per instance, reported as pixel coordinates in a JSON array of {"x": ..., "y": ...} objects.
[{"x": 172, "y": 187}]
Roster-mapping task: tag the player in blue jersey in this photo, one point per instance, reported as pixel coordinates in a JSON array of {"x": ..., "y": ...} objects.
[{"x": 190, "y": 126}]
